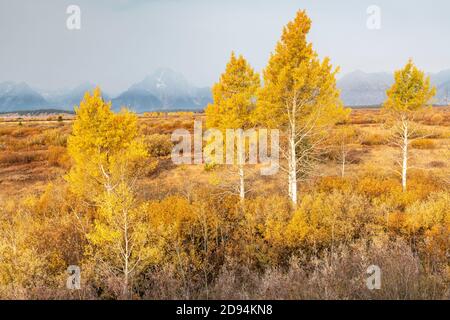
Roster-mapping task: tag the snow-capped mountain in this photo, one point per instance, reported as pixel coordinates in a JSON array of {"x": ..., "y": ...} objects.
[
  {"x": 165, "y": 89},
  {"x": 168, "y": 90},
  {"x": 19, "y": 97}
]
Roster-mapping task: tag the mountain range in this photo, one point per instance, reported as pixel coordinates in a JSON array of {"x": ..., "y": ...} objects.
[
  {"x": 166, "y": 90},
  {"x": 19, "y": 97},
  {"x": 369, "y": 89},
  {"x": 66, "y": 99},
  {"x": 163, "y": 90}
]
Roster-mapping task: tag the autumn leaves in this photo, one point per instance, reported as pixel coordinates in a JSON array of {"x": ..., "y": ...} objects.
[{"x": 298, "y": 97}]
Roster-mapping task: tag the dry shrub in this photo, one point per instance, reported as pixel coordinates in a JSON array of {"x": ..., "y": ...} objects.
[
  {"x": 159, "y": 145},
  {"x": 55, "y": 137},
  {"x": 365, "y": 117},
  {"x": 147, "y": 129},
  {"x": 377, "y": 186},
  {"x": 420, "y": 186},
  {"x": 11, "y": 158},
  {"x": 437, "y": 164},
  {"x": 11, "y": 143},
  {"x": 6, "y": 131},
  {"x": 423, "y": 144},
  {"x": 38, "y": 240},
  {"x": 24, "y": 132},
  {"x": 188, "y": 125},
  {"x": 373, "y": 139},
  {"x": 324, "y": 220},
  {"x": 425, "y": 215},
  {"x": 435, "y": 249},
  {"x": 37, "y": 140},
  {"x": 169, "y": 284},
  {"x": 169, "y": 126},
  {"x": 432, "y": 133},
  {"x": 354, "y": 156},
  {"x": 58, "y": 156},
  {"x": 341, "y": 274},
  {"x": 328, "y": 184},
  {"x": 437, "y": 119}
]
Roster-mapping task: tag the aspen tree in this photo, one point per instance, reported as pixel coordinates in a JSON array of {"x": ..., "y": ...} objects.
[
  {"x": 408, "y": 95},
  {"x": 234, "y": 101},
  {"x": 108, "y": 156},
  {"x": 299, "y": 97}
]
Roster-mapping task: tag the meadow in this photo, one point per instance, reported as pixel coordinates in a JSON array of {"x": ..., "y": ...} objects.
[{"x": 203, "y": 242}]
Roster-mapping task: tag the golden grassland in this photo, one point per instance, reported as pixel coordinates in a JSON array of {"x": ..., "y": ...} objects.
[
  {"x": 321, "y": 250},
  {"x": 33, "y": 150}
]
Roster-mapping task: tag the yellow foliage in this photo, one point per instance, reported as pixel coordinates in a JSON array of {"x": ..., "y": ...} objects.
[
  {"x": 104, "y": 146},
  {"x": 433, "y": 212},
  {"x": 411, "y": 90},
  {"x": 327, "y": 219},
  {"x": 297, "y": 85},
  {"x": 234, "y": 96},
  {"x": 121, "y": 238}
]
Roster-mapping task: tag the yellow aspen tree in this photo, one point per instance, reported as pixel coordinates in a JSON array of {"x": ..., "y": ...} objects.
[
  {"x": 409, "y": 94},
  {"x": 234, "y": 101},
  {"x": 107, "y": 155},
  {"x": 121, "y": 243},
  {"x": 105, "y": 147},
  {"x": 299, "y": 97}
]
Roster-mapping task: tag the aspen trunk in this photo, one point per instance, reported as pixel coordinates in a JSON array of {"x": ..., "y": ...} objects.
[
  {"x": 289, "y": 184},
  {"x": 405, "y": 155},
  {"x": 126, "y": 256},
  {"x": 125, "y": 281},
  {"x": 241, "y": 182},
  {"x": 292, "y": 169}
]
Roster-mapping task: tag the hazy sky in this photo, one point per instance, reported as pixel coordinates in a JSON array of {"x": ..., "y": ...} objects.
[{"x": 121, "y": 41}]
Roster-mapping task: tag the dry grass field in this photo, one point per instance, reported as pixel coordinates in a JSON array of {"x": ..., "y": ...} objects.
[
  {"x": 33, "y": 151},
  {"x": 342, "y": 225}
]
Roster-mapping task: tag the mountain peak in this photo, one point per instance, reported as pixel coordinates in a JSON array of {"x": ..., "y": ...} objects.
[
  {"x": 164, "y": 89},
  {"x": 19, "y": 96}
]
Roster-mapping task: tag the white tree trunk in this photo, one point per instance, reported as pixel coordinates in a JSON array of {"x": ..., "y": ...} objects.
[
  {"x": 126, "y": 255},
  {"x": 241, "y": 182},
  {"x": 405, "y": 154},
  {"x": 125, "y": 280},
  {"x": 241, "y": 163},
  {"x": 292, "y": 168},
  {"x": 289, "y": 185}
]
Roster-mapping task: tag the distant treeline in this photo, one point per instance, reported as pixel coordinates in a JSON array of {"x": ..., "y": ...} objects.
[
  {"x": 38, "y": 112},
  {"x": 57, "y": 111}
]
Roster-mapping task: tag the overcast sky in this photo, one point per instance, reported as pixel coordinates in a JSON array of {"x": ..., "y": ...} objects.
[{"x": 122, "y": 41}]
